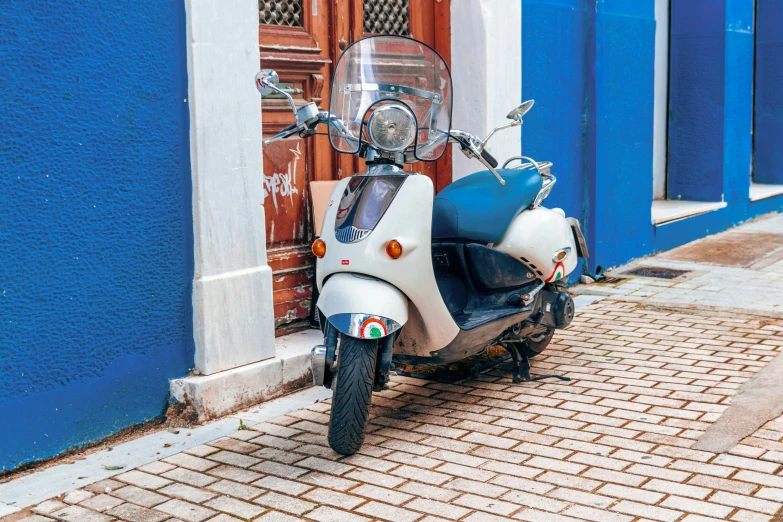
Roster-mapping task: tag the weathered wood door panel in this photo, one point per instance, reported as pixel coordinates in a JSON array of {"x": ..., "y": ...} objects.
[{"x": 302, "y": 40}]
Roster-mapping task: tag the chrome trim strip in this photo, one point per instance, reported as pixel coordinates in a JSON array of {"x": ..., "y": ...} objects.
[{"x": 351, "y": 325}]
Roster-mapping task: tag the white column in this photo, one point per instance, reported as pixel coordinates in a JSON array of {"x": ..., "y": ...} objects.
[
  {"x": 661, "y": 103},
  {"x": 233, "y": 322},
  {"x": 486, "y": 57}
]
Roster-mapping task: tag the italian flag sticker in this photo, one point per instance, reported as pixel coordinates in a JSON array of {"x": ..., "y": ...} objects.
[
  {"x": 372, "y": 328},
  {"x": 558, "y": 273}
]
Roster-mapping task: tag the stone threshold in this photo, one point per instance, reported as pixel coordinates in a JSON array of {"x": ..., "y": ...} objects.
[{"x": 222, "y": 393}]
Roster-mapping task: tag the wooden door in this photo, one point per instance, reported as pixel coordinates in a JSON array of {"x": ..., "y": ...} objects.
[{"x": 302, "y": 40}]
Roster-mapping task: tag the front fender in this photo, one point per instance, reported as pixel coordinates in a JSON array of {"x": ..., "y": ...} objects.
[{"x": 362, "y": 306}]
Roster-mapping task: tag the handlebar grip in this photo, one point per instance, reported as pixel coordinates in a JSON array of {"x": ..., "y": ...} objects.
[{"x": 489, "y": 158}]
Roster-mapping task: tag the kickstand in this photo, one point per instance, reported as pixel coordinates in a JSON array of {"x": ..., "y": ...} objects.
[
  {"x": 476, "y": 365},
  {"x": 521, "y": 365}
]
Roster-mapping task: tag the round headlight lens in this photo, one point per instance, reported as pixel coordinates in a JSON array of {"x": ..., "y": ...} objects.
[{"x": 392, "y": 128}]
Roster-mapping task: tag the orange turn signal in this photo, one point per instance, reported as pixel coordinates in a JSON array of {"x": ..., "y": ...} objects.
[
  {"x": 319, "y": 248},
  {"x": 394, "y": 249}
]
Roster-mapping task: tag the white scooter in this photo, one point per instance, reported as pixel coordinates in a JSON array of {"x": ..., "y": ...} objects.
[{"x": 410, "y": 277}]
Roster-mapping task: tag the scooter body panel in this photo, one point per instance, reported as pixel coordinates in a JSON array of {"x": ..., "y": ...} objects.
[
  {"x": 535, "y": 237},
  {"x": 408, "y": 219}
]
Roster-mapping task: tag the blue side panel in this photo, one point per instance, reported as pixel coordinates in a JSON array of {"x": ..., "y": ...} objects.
[
  {"x": 738, "y": 98},
  {"x": 768, "y": 132},
  {"x": 622, "y": 133},
  {"x": 553, "y": 65},
  {"x": 95, "y": 220},
  {"x": 696, "y": 100}
]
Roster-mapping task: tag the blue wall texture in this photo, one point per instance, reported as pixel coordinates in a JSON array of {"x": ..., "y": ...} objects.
[
  {"x": 96, "y": 256},
  {"x": 590, "y": 66}
]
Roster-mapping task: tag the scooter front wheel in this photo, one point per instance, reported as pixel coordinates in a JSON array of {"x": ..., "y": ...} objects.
[{"x": 352, "y": 386}]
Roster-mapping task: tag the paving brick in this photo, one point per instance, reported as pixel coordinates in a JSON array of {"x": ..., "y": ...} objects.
[
  {"x": 388, "y": 496},
  {"x": 433, "y": 507},
  {"x": 486, "y": 504},
  {"x": 327, "y": 514},
  {"x": 646, "y": 511},
  {"x": 240, "y": 446},
  {"x": 619, "y": 477},
  {"x": 428, "y": 492},
  {"x": 78, "y": 514},
  {"x": 467, "y": 472},
  {"x": 201, "y": 451},
  {"x": 133, "y": 513},
  {"x": 189, "y": 493},
  {"x": 190, "y": 462},
  {"x": 76, "y": 496},
  {"x": 748, "y": 516},
  {"x": 569, "y": 481},
  {"x": 143, "y": 480},
  {"x": 101, "y": 503},
  {"x": 235, "y": 474},
  {"x": 284, "y": 503},
  {"x": 276, "y": 516},
  {"x": 233, "y": 506},
  {"x": 327, "y": 481},
  {"x": 192, "y": 478},
  {"x": 745, "y": 463},
  {"x": 139, "y": 496},
  {"x": 596, "y": 515},
  {"x": 428, "y": 477},
  {"x": 479, "y": 488},
  {"x": 282, "y": 485},
  {"x": 281, "y": 470},
  {"x": 387, "y": 512},
  {"x": 749, "y": 503},
  {"x": 156, "y": 468},
  {"x": 535, "y": 501},
  {"x": 534, "y": 515},
  {"x": 186, "y": 511},
  {"x": 635, "y": 494},
  {"x": 689, "y": 505}
]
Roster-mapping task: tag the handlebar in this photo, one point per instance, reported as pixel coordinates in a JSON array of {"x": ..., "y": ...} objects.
[{"x": 489, "y": 158}]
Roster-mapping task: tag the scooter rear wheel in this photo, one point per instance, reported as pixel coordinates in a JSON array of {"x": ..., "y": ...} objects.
[
  {"x": 535, "y": 346},
  {"x": 352, "y": 387}
]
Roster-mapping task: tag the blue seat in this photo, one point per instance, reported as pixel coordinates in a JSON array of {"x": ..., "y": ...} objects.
[{"x": 479, "y": 208}]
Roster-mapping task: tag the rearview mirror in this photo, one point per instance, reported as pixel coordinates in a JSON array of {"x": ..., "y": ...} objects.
[
  {"x": 266, "y": 81},
  {"x": 520, "y": 111}
]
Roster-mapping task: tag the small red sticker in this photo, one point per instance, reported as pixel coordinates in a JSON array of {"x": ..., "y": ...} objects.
[{"x": 346, "y": 262}]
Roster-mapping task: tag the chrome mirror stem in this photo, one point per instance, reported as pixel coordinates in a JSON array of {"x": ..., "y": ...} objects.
[{"x": 493, "y": 131}]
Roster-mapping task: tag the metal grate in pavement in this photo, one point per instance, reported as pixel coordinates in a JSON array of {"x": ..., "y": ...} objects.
[{"x": 656, "y": 272}]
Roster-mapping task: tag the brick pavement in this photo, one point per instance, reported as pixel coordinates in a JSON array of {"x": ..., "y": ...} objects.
[{"x": 610, "y": 445}]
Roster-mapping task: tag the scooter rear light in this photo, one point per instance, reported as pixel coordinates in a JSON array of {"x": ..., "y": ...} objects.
[
  {"x": 394, "y": 249},
  {"x": 319, "y": 248}
]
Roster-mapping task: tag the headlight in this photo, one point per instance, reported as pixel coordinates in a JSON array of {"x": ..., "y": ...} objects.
[{"x": 392, "y": 128}]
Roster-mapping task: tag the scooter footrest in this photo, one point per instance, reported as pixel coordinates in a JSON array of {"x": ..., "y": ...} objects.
[{"x": 471, "y": 320}]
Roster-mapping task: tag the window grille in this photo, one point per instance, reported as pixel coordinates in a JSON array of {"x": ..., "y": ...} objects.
[
  {"x": 386, "y": 17},
  {"x": 287, "y": 13}
]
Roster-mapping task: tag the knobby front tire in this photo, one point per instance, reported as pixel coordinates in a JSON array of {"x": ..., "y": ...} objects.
[{"x": 352, "y": 387}]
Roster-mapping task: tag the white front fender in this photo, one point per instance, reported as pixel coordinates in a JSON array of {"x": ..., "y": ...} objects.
[{"x": 362, "y": 306}]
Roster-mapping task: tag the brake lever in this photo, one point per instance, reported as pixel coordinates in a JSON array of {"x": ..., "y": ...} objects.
[
  {"x": 469, "y": 148},
  {"x": 286, "y": 133}
]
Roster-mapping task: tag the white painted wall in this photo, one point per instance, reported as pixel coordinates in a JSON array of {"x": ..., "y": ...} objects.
[
  {"x": 233, "y": 319},
  {"x": 661, "y": 103},
  {"x": 486, "y": 56}
]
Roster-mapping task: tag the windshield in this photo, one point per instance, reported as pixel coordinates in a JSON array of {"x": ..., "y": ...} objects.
[{"x": 382, "y": 70}]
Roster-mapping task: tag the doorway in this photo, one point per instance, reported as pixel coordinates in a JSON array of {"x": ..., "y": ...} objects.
[{"x": 302, "y": 40}]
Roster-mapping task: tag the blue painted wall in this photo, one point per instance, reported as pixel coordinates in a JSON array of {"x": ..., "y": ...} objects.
[
  {"x": 768, "y": 132},
  {"x": 96, "y": 256},
  {"x": 590, "y": 66}
]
